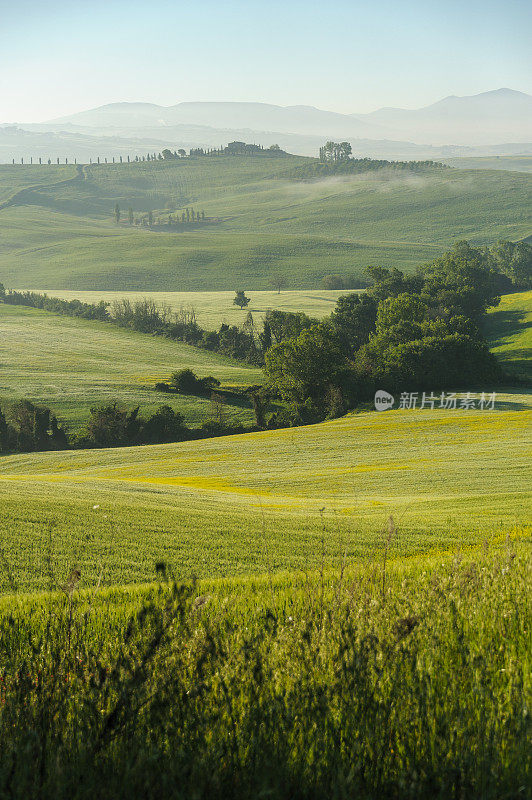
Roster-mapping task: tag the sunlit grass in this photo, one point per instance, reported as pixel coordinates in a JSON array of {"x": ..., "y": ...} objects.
[
  {"x": 246, "y": 503},
  {"x": 72, "y": 364}
]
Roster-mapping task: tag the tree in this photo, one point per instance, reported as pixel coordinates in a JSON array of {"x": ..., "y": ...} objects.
[
  {"x": 218, "y": 408},
  {"x": 111, "y": 425},
  {"x": 513, "y": 260},
  {"x": 182, "y": 152},
  {"x": 401, "y": 315},
  {"x": 150, "y": 218},
  {"x": 117, "y": 213},
  {"x": 130, "y": 216},
  {"x": 241, "y": 300},
  {"x": 167, "y": 154},
  {"x": 354, "y": 320},
  {"x": 335, "y": 152},
  {"x": 187, "y": 382},
  {"x": 430, "y": 363},
  {"x": 4, "y": 432},
  {"x": 249, "y": 324},
  {"x": 278, "y": 283},
  {"x": 462, "y": 281},
  {"x": 2, "y": 291},
  {"x": 165, "y": 425},
  {"x": 287, "y": 324},
  {"x": 304, "y": 367}
]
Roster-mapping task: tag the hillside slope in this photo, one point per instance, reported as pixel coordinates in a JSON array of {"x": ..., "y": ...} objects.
[
  {"x": 250, "y": 503},
  {"x": 508, "y": 328},
  {"x": 259, "y": 224},
  {"x": 72, "y": 364}
]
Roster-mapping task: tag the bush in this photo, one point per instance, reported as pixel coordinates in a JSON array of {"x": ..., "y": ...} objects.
[
  {"x": 165, "y": 425},
  {"x": 185, "y": 381}
]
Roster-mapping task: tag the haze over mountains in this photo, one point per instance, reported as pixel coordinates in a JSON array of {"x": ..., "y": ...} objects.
[{"x": 492, "y": 123}]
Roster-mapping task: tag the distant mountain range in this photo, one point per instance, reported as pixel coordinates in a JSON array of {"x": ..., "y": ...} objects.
[{"x": 492, "y": 123}]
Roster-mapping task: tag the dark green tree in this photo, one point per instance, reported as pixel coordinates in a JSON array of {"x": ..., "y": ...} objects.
[
  {"x": 241, "y": 300},
  {"x": 304, "y": 367}
]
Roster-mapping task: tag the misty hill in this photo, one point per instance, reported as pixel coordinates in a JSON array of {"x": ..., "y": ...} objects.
[
  {"x": 252, "y": 116},
  {"x": 83, "y": 144},
  {"x": 503, "y": 115},
  {"x": 499, "y": 116},
  {"x": 59, "y": 230}
]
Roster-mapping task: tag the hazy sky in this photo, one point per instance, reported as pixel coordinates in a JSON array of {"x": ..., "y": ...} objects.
[{"x": 62, "y": 56}]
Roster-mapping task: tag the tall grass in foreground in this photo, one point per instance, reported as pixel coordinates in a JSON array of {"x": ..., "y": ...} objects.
[{"x": 412, "y": 682}]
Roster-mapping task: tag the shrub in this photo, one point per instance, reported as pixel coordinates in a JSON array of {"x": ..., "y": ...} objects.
[{"x": 184, "y": 381}]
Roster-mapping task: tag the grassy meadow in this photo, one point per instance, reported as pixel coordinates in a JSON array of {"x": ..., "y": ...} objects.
[
  {"x": 214, "y": 308},
  {"x": 63, "y": 235},
  {"x": 333, "y": 610},
  {"x": 264, "y": 501},
  {"x": 386, "y": 681},
  {"x": 508, "y": 328},
  {"x": 72, "y": 364}
]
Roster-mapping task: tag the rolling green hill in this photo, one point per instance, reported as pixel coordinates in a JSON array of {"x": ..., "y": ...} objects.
[
  {"x": 72, "y": 364},
  {"x": 63, "y": 236},
  {"x": 249, "y": 503}
]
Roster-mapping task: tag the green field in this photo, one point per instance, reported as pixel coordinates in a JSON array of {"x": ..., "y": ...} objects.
[
  {"x": 63, "y": 236},
  {"x": 275, "y": 687},
  {"x": 249, "y": 503},
  {"x": 214, "y": 308},
  {"x": 508, "y": 328},
  {"x": 72, "y": 364}
]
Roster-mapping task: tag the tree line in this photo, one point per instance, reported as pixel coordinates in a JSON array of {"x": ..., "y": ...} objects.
[
  {"x": 232, "y": 149},
  {"x": 335, "y": 159},
  {"x": 187, "y": 217},
  {"x": 28, "y": 427},
  {"x": 417, "y": 332},
  {"x": 420, "y": 332}
]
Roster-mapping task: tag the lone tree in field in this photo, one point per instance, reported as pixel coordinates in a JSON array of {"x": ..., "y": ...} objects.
[
  {"x": 241, "y": 300},
  {"x": 278, "y": 283},
  {"x": 117, "y": 213},
  {"x": 130, "y": 216},
  {"x": 150, "y": 218}
]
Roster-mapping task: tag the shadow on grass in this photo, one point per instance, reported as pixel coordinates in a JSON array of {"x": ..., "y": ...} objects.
[{"x": 502, "y": 324}]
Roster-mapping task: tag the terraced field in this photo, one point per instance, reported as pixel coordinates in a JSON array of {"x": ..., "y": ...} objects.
[
  {"x": 261, "y": 224},
  {"x": 273, "y": 500}
]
